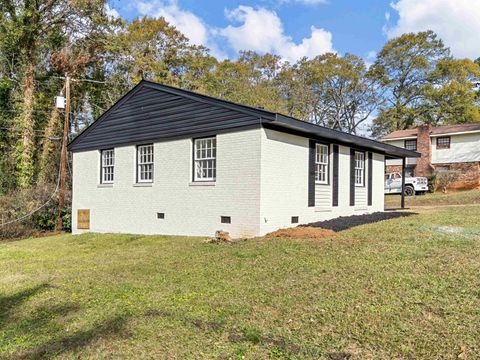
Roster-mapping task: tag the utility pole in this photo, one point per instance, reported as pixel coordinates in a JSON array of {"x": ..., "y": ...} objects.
[{"x": 63, "y": 157}]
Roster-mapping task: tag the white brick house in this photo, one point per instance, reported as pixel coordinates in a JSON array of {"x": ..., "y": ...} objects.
[{"x": 168, "y": 161}]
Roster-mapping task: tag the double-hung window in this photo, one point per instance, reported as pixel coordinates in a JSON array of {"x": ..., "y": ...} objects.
[
  {"x": 205, "y": 159},
  {"x": 321, "y": 164},
  {"x": 359, "y": 168},
  {"x": 107, "y": 166},
  {"x": 145, "y": 163},
  {"x": 443, "y": 142},
  {"x": 411, "y": 145}
]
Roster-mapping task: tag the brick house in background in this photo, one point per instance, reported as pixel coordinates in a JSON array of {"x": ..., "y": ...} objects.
[{"x": 443, "y": 148}]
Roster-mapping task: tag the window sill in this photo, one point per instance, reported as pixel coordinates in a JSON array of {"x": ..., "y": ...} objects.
[
  {"x": 322, "y": 183},
  {"x": 142, "y": 184},
  {"x": 202, "y": 183},
  {"x": 104, "y": 185},
  {"x": 361, "y": 208}
]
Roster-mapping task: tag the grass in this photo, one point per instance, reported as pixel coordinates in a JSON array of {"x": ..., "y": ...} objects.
[
  {"x": 438, "y": 198},
  {"x": 405, "y": 288}
]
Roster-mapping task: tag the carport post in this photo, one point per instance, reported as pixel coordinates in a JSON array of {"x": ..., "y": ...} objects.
[{"x": 403, "y": 184}]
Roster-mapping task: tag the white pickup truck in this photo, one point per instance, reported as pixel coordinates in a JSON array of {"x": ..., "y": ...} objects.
[{"x": 413, "y": 185}]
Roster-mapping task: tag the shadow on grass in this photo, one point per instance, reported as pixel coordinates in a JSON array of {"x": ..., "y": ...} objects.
[
  {"x": 75, "y": 341},
  {"x": 9, "y": 303},
  {"x": 48, "y": 323},
  {"x": 346, "y": 222}
]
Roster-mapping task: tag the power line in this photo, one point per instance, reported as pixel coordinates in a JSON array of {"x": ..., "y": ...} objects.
[
  {"x": 21, "y": 130},
  {"x": 83, "y": 80},
  {"x": 17, "y": 133},
  {"x": 19, "y": 111}
]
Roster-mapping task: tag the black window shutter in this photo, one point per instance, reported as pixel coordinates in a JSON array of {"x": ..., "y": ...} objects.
[
  {"x": 370, "y": 178},
  {"x": 311, "y": 173},
  {"x": 335, "y": 176},
  {"x": 352, "y": 177}
]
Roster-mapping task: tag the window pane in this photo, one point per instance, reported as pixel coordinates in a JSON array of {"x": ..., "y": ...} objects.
[
  {"x": 145, "y": 163},
  {"x": 359, "y": 168},
  {"x": 205, "y": 159},
  {"x": 321, "y": 161},
  {"x": 443, "y": 142},
  {"x": 411, "y": 145},
  {"x": 107, "y": 168}
]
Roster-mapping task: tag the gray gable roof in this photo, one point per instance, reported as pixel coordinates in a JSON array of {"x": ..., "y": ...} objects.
[{"x": 154, "y": 112}]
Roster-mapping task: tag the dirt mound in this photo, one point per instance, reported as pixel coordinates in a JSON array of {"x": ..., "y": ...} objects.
[{"x": 303, "y": 232}]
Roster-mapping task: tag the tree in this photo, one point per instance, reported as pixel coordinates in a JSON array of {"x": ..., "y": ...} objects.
[
  {"x": 332, "y": 91},
  {"x": 251, "y": 80},
  {"x": 31, "y": 32},
  {"x": 403, "y": 67},
  {"x": 452, "y": 95},
  {"x": 295, "y": 89},
  {"x": 152, "y": 49}
]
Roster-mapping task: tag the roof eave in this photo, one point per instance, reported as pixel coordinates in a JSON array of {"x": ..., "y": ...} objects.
[
  {"x": 411, "y": 137},
  {"x": 340, "y": 137}
]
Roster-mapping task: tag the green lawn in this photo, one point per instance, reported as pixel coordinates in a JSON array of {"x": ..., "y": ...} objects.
[
  {"x": 438, "y": 198},
  {"x": 405, "y": 288}
]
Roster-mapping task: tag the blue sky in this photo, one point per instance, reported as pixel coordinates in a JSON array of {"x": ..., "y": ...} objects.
[{"x": 296, "y": 28}]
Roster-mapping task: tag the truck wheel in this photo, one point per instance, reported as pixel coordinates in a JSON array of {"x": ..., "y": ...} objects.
[{"x": 409, "y": 190}]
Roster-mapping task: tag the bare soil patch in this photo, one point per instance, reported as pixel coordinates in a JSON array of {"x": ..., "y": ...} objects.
[{"x": 302, "y": 232}]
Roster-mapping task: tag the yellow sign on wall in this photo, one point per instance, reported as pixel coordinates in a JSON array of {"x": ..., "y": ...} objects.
[{"x": 83, "y": 219}]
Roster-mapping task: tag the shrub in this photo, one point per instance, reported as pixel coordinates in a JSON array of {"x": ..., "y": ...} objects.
[
  {"x": 20, "y": 203},
  {"x": 447, "y": 178},
  {"x": 432, "y": 183}
]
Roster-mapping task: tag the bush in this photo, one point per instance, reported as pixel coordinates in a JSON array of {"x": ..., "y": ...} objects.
[
  {"x": 432, "y": 183},
  {"x": 20, "y": 203},
  {"x": 447, "y": 178}
]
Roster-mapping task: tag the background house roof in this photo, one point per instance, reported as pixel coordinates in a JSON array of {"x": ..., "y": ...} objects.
[{"x": 437, "y": 130}]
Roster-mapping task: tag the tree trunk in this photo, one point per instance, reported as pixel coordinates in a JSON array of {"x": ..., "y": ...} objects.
[{"x": 24, "y": 149}]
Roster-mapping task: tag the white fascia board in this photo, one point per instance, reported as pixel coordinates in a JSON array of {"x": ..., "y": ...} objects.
[
  {"x": 455, "y": 133},
  {"x": 400, "y": 138}
]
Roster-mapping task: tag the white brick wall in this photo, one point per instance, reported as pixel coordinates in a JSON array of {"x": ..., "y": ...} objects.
[
  {"x": 189, "y": 210},
  {"x": 261, "y": 183},
  {"x": 284, "y": 191}
]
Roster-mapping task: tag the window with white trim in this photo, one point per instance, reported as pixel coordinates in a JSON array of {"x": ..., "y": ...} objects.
[
  {"x": 359, "y": 168},
  {"x": 411, "y": 145},
  {"x": 205, "y": 159},
  {"x": 443, "y": 142},
  {"x": 145, "y": 163},
  {"x": 108, "y": 166},
  {"x": 321, "y": 164}
]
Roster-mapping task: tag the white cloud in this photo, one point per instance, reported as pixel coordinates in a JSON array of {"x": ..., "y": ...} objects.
[
  {"x": 185, "y": 21},
  {"x": 261, "y": 30},
  {"x": 370, "y": 58},
  {"x": 111, "y": 12},
  {"x": 371, "y": 55},
  {"x": 457, "y": 22},
  {"x": 258, "y": 29}
]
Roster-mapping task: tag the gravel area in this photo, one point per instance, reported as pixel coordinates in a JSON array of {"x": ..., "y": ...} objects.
[{"x": 347, "y": 222}]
